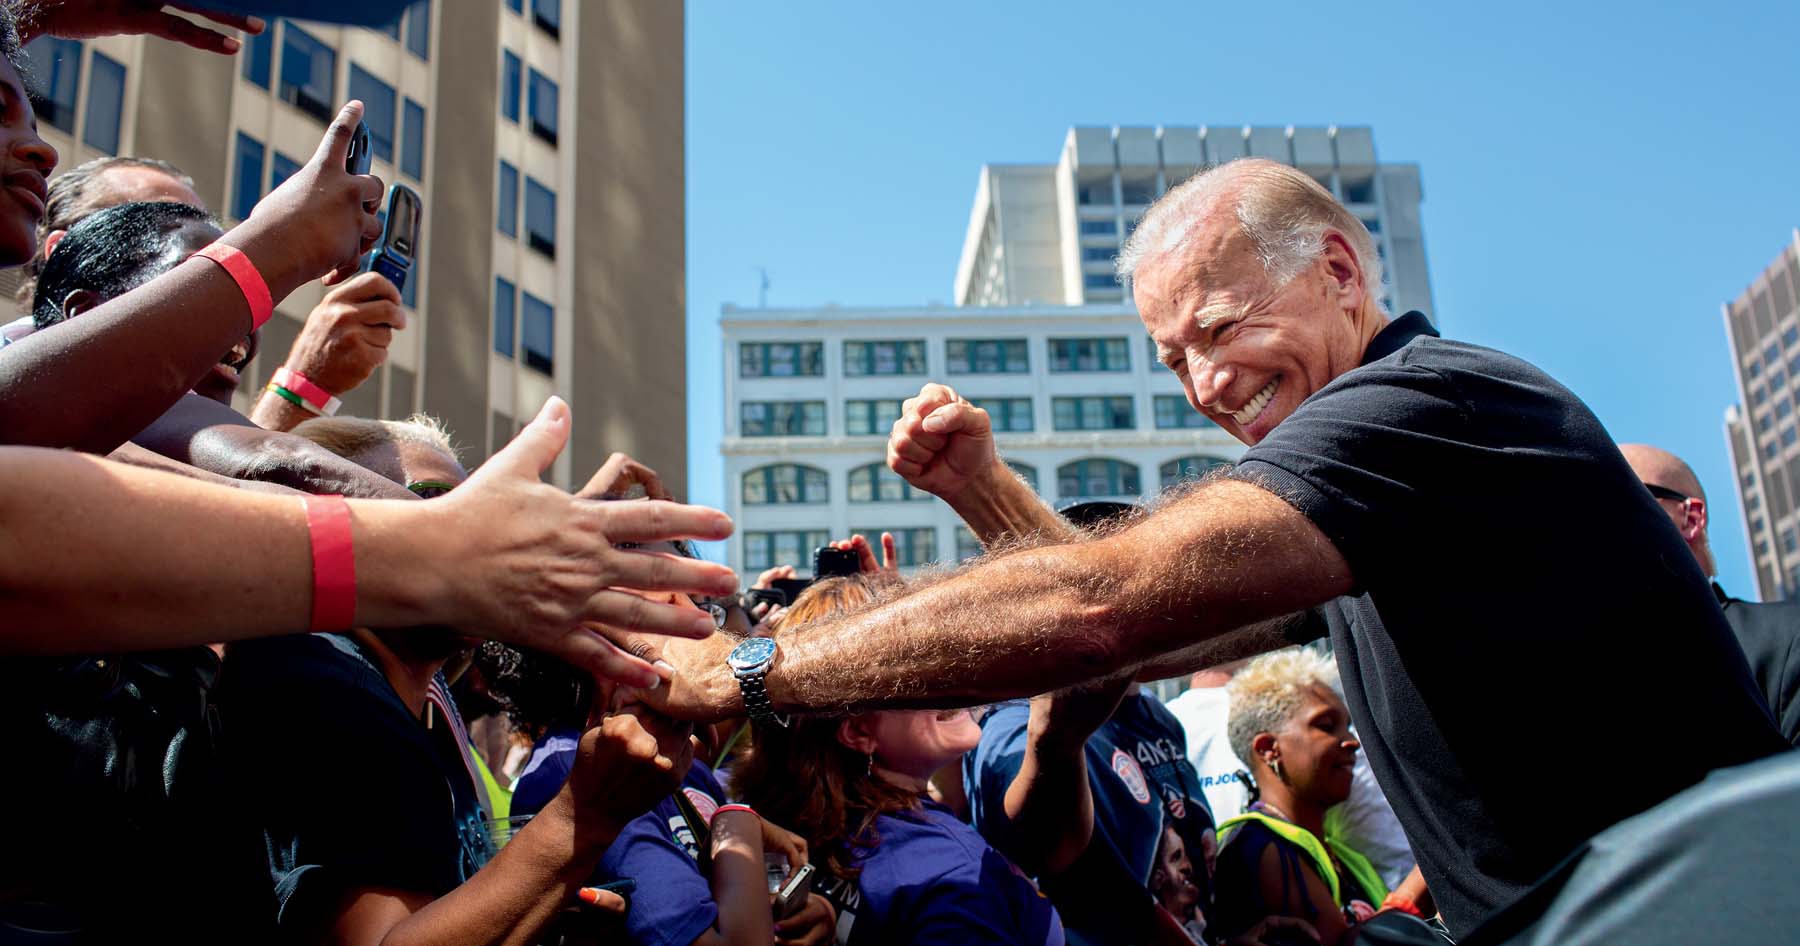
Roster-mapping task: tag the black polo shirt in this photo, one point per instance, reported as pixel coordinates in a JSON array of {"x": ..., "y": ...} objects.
[{"x": 1531, "y": 654}]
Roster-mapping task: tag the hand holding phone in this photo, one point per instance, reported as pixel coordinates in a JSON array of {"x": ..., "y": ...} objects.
[{"x": 792, "y": 894}]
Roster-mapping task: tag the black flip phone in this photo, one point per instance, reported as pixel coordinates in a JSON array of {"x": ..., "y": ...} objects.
[
  {"x": 395, "y": 252},
  {"x": 833, "y": 563},
  {"x": 791, "y": 587},
  {"x": 360, "y": 156}
]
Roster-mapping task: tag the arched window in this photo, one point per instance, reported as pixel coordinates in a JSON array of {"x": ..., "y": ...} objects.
[
  {"x": 876, "y": 483},
  {"x": 1189, "y": 468},
  {"x": 1025, "y": 470},
  {"x": 1096, "y": 477},
  {"x": 785, "y": 483}
]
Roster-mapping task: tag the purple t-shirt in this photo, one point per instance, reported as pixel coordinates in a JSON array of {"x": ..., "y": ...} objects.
[{"x": 673, "y": 903}]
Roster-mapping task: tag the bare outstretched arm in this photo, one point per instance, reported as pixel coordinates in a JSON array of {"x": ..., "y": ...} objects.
[{"x": 1229, "y": 555}]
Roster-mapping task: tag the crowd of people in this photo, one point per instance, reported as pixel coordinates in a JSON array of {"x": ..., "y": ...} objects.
[{"x": 293, "y": 676}]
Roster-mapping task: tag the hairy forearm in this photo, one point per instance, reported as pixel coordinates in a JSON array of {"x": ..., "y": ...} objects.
[
  {"x": 1003, "y": 510},
  {"x": 510, "y": 901}
]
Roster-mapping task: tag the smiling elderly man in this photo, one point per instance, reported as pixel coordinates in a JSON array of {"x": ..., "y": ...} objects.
[{"x": 1499, "y": 589}]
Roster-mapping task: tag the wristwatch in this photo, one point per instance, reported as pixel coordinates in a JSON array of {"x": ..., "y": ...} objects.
[{"x": 750, "y": 661}]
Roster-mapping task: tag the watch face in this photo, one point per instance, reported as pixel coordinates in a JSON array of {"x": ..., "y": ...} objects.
[{"x": 752, "y": 653}]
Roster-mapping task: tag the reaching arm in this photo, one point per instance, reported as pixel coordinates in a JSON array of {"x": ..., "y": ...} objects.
[
  {"x": 131, "y": 453},
  {"x": 1229, "y": 555},
  {"x": 1050, "y": 805},
  {"x": 739, "y": 884},
  {"x": 214, "y": 437}
]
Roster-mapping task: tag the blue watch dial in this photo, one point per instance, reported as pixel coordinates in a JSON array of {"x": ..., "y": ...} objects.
[{"x": 751, "y": 654}]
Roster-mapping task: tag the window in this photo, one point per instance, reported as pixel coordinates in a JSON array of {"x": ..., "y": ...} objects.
[
  {"x": 1137, "y": 190},
  {"x": 412, "y": 140},
  {"x": 508, "y": 219},
  {"x": 870, "y": 417},
  {"x": 281, "y": 167},
  {"x": 517, "y": 6},
  {"x": 1089, "y": 354},
  {"x": 378, "y": 110},
  {"x": 1188, "y": 468},
  {"x": 781, "y": 359},
  {"x": 1093, "y": 478},
  {"x": 782, "y": 484},
  {"x": 1359, "y": 192},
  {"x": 1107, "y": 227},
  {"x": 1788, "y": 541},
  {"x": 542, "y": 106},
  {"x": 866, "y": 358},
  {"x": 511, "y": 85},
  {"x": 106, "y": 104},
  {"x": 1026, "y": 471},
  {"x": 248, "y": 175},
  {"x": 1772, "y": 355},
  {"x": 1788, "y": 436},
  {"x": 259, "y": 55},
  {"x": 782, "y": 419},
  {"x": 308, "y": 73},
  {"x": 914, "y": 547},
  {"x": 1758, "y": 396},
  {"x": 418, "y": 29},
  {"x": 1092, "y": 413},
  {"x": 986, "y": 356},
  {"x": 540, "y": 217},
  {"x": 53, "y": 81},
  {"x": 875, "y": 483},
  {"x": 769, "y": 549},
  {"x": 1099, "y": 281},
  {"x": 1783, "y": 407},
  {"x": 547, "y": 14},
  {"x": 1754, "y": 369},
  {"x": 967, "y": 546},
  {"x": 538, "y": 326},
  {"x": 1009, "y": 415},
  {"x": 1174, "y": 413},
  {"x": 1097, "y": 254},
  {"x": 505, "y": 314}
]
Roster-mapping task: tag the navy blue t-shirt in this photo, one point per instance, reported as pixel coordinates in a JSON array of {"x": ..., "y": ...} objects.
[
  {"x": 673, "y": 903},
  {"x": 931, "y": 879},
  {"x": 1140, "y": 778},
  {"x": 548, "y": 768},
  {"x": 349, "y": 787},
  {"x": 1512, "y": 579}
]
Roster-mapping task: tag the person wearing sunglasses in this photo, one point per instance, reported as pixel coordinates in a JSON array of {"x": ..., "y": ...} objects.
[{"x": 1768, "y": 632}]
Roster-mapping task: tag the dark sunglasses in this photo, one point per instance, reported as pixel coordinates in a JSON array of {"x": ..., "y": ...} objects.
[
  {"x": 430, "y": 489},
  {"x": 1663, "y": 492}
]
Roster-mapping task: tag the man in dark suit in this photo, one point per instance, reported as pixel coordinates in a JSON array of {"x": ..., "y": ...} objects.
[{"x": 1770, "y": 632}]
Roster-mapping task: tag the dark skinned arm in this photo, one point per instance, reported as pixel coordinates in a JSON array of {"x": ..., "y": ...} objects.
[
  {"x": 1050, "y": 805},
  {"x": 209, "y": 435}
]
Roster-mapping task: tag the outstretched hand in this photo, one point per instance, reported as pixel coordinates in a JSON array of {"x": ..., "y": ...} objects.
[{"x": 92, "y": 18}]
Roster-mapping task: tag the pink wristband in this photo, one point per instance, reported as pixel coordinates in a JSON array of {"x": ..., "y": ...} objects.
[
  {"x": 322, "y": 400},
  {"x": 249, "y": 281},
  {"x": 333, "y": 563},
  {"x": 746, "y": 809}
]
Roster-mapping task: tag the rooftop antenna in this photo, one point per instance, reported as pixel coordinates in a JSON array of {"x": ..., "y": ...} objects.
[{"x": 762, "y": 289}]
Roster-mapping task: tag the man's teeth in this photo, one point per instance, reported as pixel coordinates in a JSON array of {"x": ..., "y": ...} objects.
[{"x": 1256, "y": 405}]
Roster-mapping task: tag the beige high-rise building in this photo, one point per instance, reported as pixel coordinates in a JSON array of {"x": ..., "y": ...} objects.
[
  {"x": 546, "y": 138},
  {"x": 1762, "y": 430}
]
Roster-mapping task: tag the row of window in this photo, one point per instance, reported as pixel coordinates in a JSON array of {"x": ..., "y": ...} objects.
[
  {"x": 1008, "y": 415},
  {"x": 539, "y": 92},
  {"x": 308, "y": 79},
  {"x": 793, "y": 484},
  {"x": 540, "y": 210},
  {"x": 53, "y": 83},
  {"x": 914, "y": 547},
  {"x": 907, "y": 356},
  {"x": 523, "y": 314},
  {"x": 1140, "y": 188},
  {"x": 547, "y": 14}
]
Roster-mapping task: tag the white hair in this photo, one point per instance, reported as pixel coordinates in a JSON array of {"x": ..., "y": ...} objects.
[
  {"x": 1282, "y": 210},
  {"x": 1270, "y": 690},
  {"x": 352, "y": 437}
]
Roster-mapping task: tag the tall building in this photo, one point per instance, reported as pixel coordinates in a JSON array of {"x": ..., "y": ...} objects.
[
  {"x": 1763, "y": 325},
  {"x": 1041, "y": 336},
  {"x": 546, "y": 139},
  {"x": 1048, "y": 233}
]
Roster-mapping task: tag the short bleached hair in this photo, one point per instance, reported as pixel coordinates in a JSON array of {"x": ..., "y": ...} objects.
[
  {"x": 1282, "y": 211},
  {"x": 352, "y": 437},
  {"x": 1271, "y": 689}
]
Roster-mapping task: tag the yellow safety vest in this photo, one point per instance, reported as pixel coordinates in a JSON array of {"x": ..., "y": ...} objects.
[{"x": 1359, "y": 867}]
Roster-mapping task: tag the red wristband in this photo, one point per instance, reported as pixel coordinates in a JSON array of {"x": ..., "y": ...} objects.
[
  {"x": 746, "y": 809},
  {"x": 333, "y": 563},
  {"x": 249, "y": 281},
  {"x": 322, "y": 400},
  {"x": 1396, "y": 902}
]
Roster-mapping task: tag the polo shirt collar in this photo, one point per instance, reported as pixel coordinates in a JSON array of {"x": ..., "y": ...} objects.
[{"x": 1397, "y": 334}]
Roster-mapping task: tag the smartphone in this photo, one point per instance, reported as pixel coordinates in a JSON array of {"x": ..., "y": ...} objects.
[
  {"x": 774, "y": 597},
  {"x": 360, "y": 157},
  {"x": 833, "y": 563},
  {"x": 394, "y": 253},
  {"x": 792, "y": 894},
  {"x": 791, "y": 587}
]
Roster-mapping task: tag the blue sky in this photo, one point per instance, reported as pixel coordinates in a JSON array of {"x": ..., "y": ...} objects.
[{"x": 1598, "y": 177}]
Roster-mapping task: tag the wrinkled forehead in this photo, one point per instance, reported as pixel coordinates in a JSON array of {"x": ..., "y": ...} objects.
[{"x": 1214, "y": 258}]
